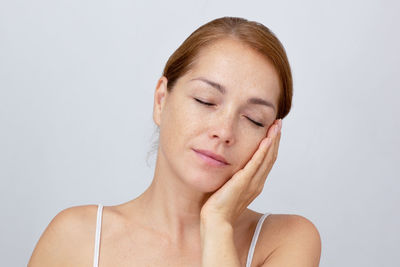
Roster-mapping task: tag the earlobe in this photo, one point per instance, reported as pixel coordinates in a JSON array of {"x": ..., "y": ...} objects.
[{"x": 159, "y": 99}]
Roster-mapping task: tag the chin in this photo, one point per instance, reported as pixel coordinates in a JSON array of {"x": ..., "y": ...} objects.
[{"x": 206, "y": 183}]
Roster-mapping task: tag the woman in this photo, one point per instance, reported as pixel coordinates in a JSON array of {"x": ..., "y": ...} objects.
[{"x": 218, "y": 106}]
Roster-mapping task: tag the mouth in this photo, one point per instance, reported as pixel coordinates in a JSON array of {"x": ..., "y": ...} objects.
[{"x": 210, "y": 158}]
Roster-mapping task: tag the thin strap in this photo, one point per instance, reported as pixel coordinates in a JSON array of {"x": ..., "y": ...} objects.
[
  {"x": 254, "y": 240},
  {"x": 97, "y": 239}
]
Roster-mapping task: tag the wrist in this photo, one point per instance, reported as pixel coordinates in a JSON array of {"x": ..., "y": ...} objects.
[{"x": 215, "y": 226}]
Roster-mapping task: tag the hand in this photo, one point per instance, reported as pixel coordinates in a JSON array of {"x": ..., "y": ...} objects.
[{"x": 229, "y": 201}]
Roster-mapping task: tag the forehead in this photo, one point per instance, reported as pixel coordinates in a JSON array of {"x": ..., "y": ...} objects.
[{"x": 238, "y": 67}]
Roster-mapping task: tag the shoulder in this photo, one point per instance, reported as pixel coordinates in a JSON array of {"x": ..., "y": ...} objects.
[
  {"x": 296, "y": 240},
  {"x": 68, "y": 239}
]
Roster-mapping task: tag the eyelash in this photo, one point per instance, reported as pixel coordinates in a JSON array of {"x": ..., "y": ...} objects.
[{"x": 210, "y": 104}]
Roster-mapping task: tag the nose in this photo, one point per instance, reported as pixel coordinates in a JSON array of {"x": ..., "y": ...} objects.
[{"x": 224, "y": 129}]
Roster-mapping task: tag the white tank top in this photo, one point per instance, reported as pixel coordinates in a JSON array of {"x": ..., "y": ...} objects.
[{"x": 98, "y": 230}]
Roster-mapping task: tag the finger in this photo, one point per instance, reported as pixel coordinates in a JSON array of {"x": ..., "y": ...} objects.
[
  {"x": 271, "y": 129},
  {"x": 266, "y": 166},
  {"x": 276, "y": 146},
  {"x": 270, "y": 158},
  {"x": 275, "y": 137},
  {"x": 259, "y": 156}
]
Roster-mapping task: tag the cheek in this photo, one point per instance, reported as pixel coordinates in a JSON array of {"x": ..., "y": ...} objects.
[
  {"x": 179, "y": 123},
  {"x": 172, "y": 124},
  {"x": 191, "y": 117},
  {"x": 245, "y": 155}
]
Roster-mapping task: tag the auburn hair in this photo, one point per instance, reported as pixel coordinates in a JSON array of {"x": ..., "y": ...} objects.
[{"x": 252, "y": 33}]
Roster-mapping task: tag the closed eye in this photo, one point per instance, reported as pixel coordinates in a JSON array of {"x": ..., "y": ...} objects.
[
  {"x": 256, "y": 123},
  {"x": 204, "y": 103},
  {"x": 211, "y": 104}
]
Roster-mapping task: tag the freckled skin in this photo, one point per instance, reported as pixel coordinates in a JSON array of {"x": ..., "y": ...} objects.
[
  {"x": 161, "y": 227},
  {"x": 224, "y": 127}
]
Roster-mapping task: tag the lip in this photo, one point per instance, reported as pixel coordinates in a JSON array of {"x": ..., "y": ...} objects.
[{"x": 211, "y": 157}]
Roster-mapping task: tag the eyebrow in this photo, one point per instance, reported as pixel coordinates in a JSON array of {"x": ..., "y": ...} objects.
[{"x": 222, "y": 90}]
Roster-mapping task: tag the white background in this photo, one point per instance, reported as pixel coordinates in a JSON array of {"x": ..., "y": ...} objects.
[{"x": 76, "y": 97}]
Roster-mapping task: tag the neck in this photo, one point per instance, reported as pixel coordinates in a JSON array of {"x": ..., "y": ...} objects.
[{"x": 172, "y": 206}]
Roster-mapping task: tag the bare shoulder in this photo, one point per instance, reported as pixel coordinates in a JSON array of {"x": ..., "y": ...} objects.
[
  {"x": 296, "y": 241},
  {"x": 68, "y": 240}
]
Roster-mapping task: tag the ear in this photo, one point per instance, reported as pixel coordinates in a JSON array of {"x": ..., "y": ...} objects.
[{"x": 159, "y": 99}]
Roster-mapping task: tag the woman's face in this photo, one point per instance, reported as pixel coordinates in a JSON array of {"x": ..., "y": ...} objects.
[{"x": 235, "y": 80}]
